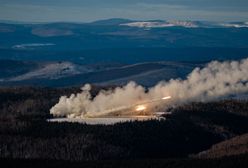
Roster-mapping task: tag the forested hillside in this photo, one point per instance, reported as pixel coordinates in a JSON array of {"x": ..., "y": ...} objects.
[{"x": 191, "y": 129}]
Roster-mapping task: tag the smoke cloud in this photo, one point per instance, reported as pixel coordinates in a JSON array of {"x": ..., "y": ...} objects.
[{"x": 216, "y": 80}]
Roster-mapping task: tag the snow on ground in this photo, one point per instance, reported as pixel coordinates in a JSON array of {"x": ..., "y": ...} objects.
[
  {"x": 186, "y": 24},
  {"x": 236, "y": 25},
  {"x": 32, "y": 45},
  {"x": 155, "y": 24},
  {"x": 52, "y": 71},
  {"x": 105, "y": 121}
]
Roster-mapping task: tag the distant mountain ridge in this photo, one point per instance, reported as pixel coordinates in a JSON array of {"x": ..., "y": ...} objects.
[
  {"x": 170, "y": 23},
  {"x": 123, "y": 33},
  {"x": 144, "y": 23},
  {"x": 97, "y": 46}
]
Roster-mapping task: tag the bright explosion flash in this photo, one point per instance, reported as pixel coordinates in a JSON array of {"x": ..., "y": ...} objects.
[
  {"x": 143, "y": 107},
  {"x": 140, "y": 108},
  {"x": 167, "y": 97}
]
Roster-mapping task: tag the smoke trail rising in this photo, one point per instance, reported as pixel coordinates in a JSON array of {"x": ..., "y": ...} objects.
[{"x": 217, "y": 79}]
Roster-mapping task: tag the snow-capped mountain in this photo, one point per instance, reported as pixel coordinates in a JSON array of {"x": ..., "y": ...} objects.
[
  {"x": 235, "y": 24},
  {"x": 185, "y": 24},
  {"x": 159, "y": 24}
]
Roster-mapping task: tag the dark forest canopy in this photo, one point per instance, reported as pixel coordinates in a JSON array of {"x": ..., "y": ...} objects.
[{"x": 192, "y": 128}]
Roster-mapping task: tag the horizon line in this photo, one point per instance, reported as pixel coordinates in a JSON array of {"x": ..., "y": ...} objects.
[{"x": 8, "y": 21}]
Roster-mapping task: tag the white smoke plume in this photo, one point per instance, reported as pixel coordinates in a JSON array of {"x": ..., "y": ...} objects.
[{"x": 217, "y": 79}]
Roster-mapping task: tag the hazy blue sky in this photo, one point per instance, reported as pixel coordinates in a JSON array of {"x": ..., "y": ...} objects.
[{"x": 89, "y": 10}]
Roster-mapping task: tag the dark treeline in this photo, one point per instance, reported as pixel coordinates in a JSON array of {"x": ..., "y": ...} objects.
[
  {"x": 192, "y": 128},
  {"x": 226, "y": 162}
]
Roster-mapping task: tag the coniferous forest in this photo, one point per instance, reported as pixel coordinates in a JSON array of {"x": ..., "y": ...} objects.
[{"x": 210, "y": 134}]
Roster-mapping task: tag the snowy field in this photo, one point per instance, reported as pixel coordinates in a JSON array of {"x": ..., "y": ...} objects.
[{"x": 105, "y": 121}]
